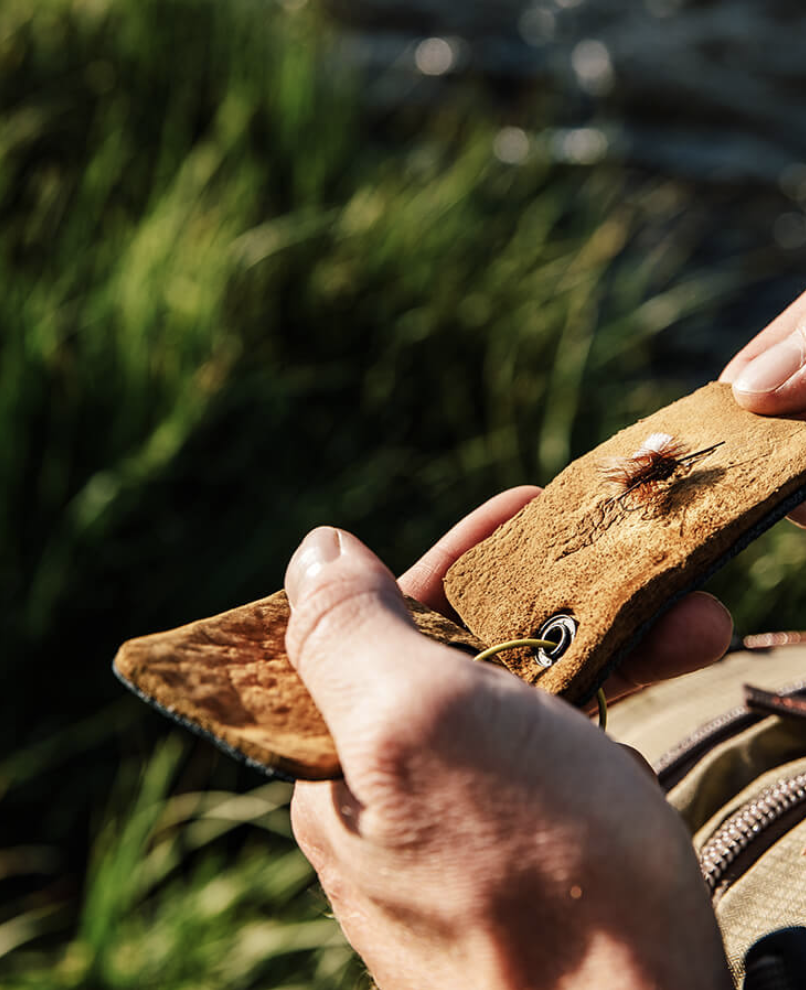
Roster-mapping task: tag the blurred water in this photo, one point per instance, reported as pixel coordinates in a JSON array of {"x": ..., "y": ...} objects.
[{"x": 711, "y": 89}]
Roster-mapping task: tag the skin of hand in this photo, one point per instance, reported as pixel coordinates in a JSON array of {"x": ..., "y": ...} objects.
[
  {"x": 485, "y": 835},
  {"x": 769, "y": 374}
]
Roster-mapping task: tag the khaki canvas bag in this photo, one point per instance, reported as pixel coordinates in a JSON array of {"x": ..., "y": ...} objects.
[{"x": 729, "y": 746}]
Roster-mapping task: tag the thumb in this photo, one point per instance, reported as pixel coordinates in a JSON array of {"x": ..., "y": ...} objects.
[
  {"x": 769, "y": 374},
  {"x": 353, "y": 643},
  {"x": 775, "y": 381}
]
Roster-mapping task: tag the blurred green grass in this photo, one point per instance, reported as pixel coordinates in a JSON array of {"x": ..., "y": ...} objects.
[{"x": 237, "y": 303}]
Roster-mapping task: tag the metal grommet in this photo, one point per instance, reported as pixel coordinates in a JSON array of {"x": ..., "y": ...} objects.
[
  {"x": 559, "y": 629},
  {"x": 554, "y": 638}
]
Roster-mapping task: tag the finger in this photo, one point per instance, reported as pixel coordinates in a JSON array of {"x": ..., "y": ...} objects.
[
  {"x": 776, "y": 331},
  {"x": 769, "y": 374},
  {"x": 423, "y": 580},
  {"x": 785, "y": 337},
  {"x": 327, "y": 839},
  {"x": 358, "y": 652},
  {"x": 692, "y": 634},
  {"x": 311, "y": 807}
]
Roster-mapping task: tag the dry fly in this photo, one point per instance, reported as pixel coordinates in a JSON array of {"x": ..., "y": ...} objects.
[{"x": 637, "y": 479}]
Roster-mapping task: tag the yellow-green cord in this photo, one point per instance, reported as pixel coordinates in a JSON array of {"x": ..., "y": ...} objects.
[
  {"x": 541, "y": 644},
  {"x": 513, "y": 644},
  {"x": 601, "y": 701}
]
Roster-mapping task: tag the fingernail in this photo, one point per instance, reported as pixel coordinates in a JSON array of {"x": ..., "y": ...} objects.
[
  {"x": 320, "y": 547},
  {"x": 772, "y": 369}
]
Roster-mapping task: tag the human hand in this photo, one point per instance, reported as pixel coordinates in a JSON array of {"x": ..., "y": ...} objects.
[
  {"x": 485, "y": 835},
  {"x": 769, "y": 374}
]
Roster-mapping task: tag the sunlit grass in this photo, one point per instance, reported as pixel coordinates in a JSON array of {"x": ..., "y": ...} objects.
[
  {"x": 166, "y": 904},
  {"x": 236, "y": 304}
]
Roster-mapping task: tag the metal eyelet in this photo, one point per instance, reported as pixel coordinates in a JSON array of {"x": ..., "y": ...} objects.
[{"x": 560, "y": 629}]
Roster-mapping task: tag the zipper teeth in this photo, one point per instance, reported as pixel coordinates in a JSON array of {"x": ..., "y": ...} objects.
[
  {"x": 705, "y": 734},
  {"x": 675, "y": 762},
  {"x": 748, "y": 824}
]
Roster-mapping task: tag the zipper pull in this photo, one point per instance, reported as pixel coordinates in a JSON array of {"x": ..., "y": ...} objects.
[{"x": 763, "y": 702}]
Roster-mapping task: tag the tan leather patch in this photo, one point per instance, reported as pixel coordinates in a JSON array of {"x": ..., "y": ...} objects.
[
  {"x": 229, "y": 677},
  {"x": 615, "y": 565}
]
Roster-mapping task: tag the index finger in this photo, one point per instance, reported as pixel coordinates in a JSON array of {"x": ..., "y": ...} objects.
[{"x": 423, "y": 580}]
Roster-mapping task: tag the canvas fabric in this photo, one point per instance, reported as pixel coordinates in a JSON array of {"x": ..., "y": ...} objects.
[{"x": 771, "y": 893}]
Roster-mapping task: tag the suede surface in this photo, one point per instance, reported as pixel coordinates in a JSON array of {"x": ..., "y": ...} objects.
[
  {"x": 228, "y": 677},
  {"x": 615, "y": 565}
]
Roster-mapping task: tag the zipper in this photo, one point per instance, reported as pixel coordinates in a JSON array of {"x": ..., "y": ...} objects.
[
  {"x": 677, "y": 762},
  {"x": 750, "y": 831}
]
